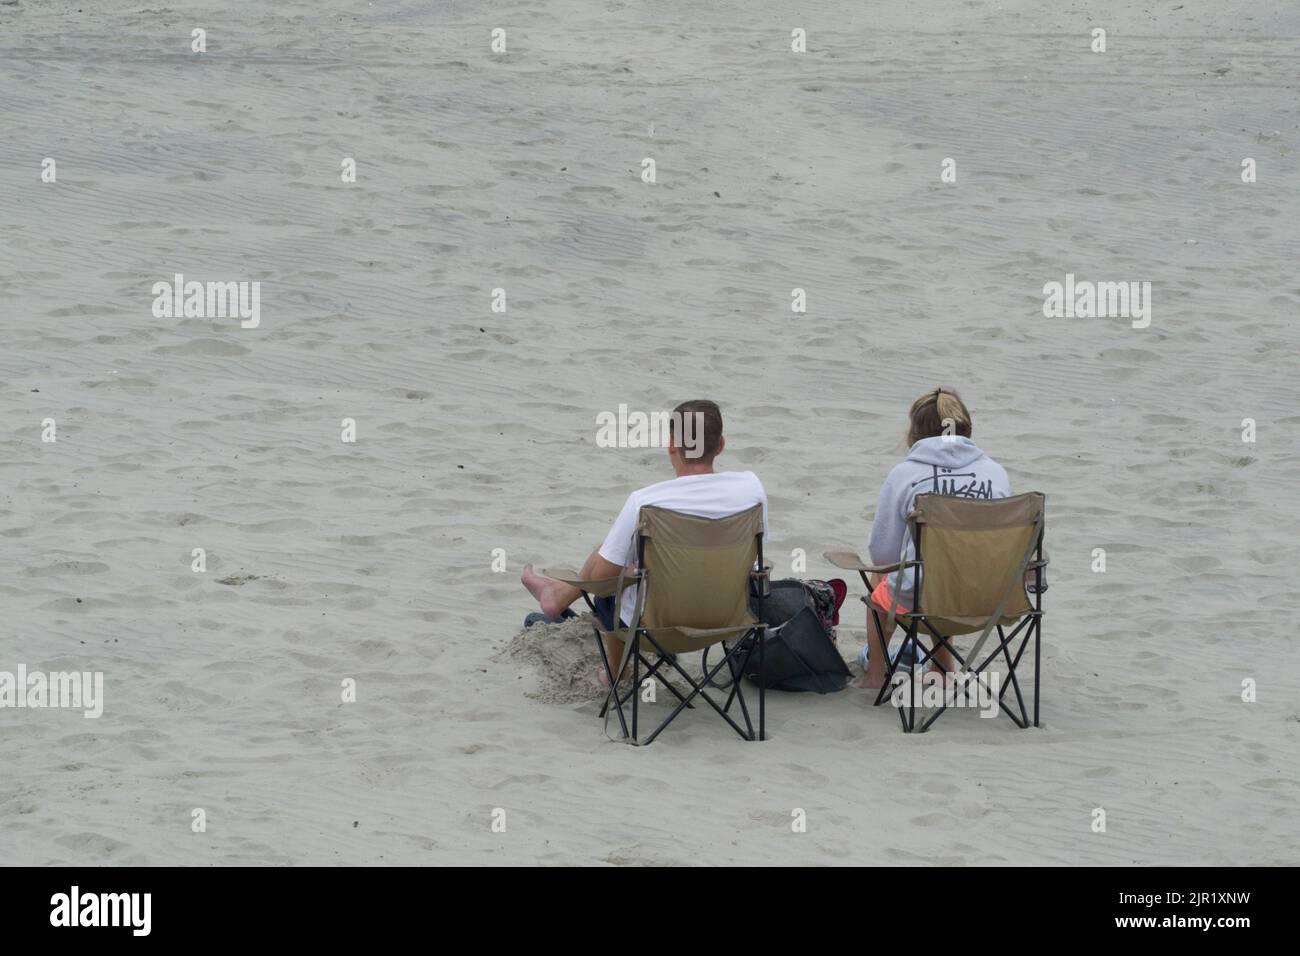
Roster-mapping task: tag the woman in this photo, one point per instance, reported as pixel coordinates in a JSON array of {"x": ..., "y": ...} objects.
[{"x": 943, "y": 460}]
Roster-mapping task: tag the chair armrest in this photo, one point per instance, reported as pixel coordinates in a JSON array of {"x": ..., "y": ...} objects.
[
  {"x": 850, "y": 561},
  {"x": 1036, "y": 566},
  {"x": 596, "y": 587}
]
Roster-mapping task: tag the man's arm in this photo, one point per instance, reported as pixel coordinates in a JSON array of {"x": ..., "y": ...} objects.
[{"x": 593, "y": 569}]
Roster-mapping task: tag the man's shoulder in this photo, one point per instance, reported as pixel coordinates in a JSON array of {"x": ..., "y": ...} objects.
[
  {"x": 652, "y": 491},
  {"x": 684, "y": 484},
  {"x": 749, "y": 478}
]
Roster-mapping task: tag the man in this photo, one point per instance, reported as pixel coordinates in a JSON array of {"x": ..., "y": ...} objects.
[{"x": 697, "y": 490}]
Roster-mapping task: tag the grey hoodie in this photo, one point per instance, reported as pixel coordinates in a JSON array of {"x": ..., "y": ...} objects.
[{"x": 946, "y": 464}]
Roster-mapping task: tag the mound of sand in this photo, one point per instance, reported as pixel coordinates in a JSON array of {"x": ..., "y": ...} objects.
[{"x": 564, "y": 658}]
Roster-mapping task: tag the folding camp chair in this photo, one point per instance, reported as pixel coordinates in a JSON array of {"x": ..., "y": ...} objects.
[
  {"x": 971, "y": 559},
  {"x": 691, "y": 592}
]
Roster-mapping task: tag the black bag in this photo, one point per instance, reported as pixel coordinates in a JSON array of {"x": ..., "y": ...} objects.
[{"x": 800, "y": 654}]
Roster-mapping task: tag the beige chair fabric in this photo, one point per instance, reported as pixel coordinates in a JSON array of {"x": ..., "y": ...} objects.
[{"x": 973, "y": 555}]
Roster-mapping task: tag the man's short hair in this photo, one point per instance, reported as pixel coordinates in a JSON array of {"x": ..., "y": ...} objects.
[{"x": 710, "y": 439}]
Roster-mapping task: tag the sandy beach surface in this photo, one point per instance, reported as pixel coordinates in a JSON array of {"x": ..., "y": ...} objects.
[{"x": 372, "y": 561}]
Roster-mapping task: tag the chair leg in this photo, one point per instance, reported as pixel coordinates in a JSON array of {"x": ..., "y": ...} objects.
[
  {"x": 636, "y": 679},
  {"x": 613, "y": 679},
  {"x": 1029, "y": 628},
  {"x": 1023, "y": 721},
  {"x": 911, "y": 703},
  {"x": 738, "y": 693},
  {"x": 1011, "y": 673},
  {"x": 942, "y": 640},
  {"x": 890, "y": 666},
  {"x": 652, "y": 671},
  {"x": 1015, "y": 663},
  {"x": 921, "y": 666},
  {"x": 762, "y": 684},
  {"x": 737, "y": 672},
  {"x": 1038, "y": 629},
  {"x": 908, "y": 641},
  {"x": 698, "y": 690}
]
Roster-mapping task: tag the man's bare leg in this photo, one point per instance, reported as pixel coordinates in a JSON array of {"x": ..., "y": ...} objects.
[{"x": 554, "y": 596}]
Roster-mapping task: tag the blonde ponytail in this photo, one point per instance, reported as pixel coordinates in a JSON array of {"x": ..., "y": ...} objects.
[{"x": 940, "y": 412}]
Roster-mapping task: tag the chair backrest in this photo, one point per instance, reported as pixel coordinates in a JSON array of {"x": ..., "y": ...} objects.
[
  {"x": 972, "y": 551},
  {"x": 697, "y": 569}
]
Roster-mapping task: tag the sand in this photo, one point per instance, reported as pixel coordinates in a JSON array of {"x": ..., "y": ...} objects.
[
  {"x": 372, "y": 561},
  {"x": 563, "y": 659}
]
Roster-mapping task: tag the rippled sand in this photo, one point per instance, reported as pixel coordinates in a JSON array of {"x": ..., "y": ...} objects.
[{"x": 372, "y": 561}]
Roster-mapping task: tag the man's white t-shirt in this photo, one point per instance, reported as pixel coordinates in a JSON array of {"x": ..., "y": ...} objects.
[{"x": 718, "y": 495}]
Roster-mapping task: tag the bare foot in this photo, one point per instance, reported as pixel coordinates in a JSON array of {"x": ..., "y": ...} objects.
[
  {"x": 545, "y": 590},
  {"x": 870, "y": 681}
]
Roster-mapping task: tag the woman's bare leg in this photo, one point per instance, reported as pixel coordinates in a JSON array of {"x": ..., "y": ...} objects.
[{"x": 877, "y": 665}]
